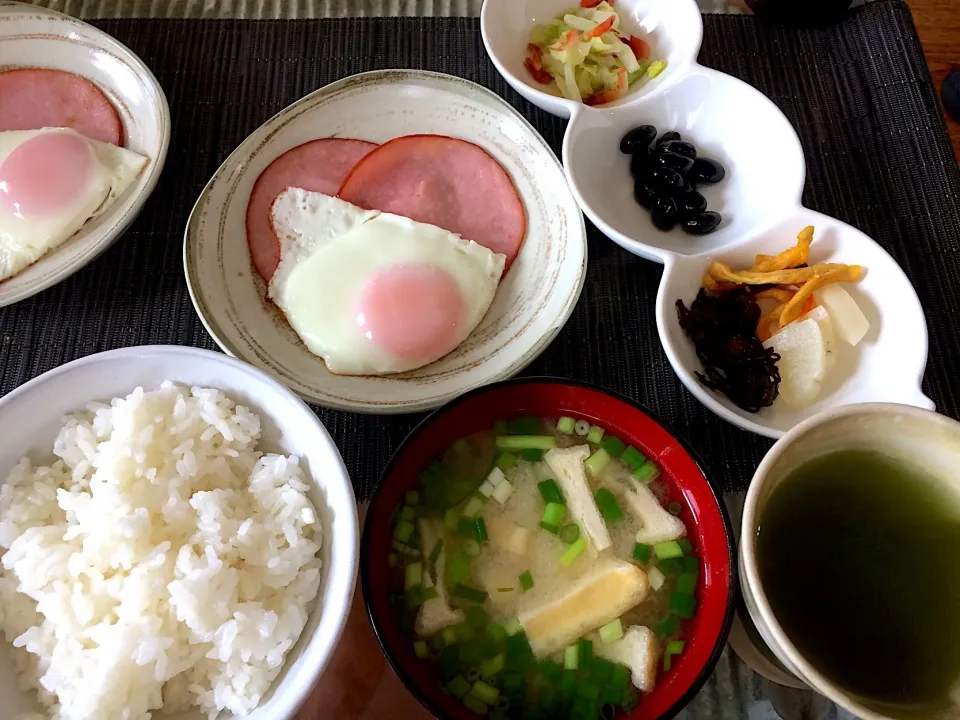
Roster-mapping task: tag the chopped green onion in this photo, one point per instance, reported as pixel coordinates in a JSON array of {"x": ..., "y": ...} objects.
[
  {"x": 503, "y": 491},
  {"x": 595, "y": 435},
  {"x": 526, "y": 442},
  {"x": 553, "y": 514},
  {"x": 566, "y": 425},
  {"x": 667, "y": 662},
  {"x": 569, "y": 533},
  {"x": 641, "y": 552},
  {"x": 413, "y": 575},
  {"x": 458, "y": 570},
  {"x": 686, "y": 583},
  {"x": 573, "y": 551},
  {"x": 477, "y": 617},
  {"x": 501, "y": 706},
  {"x": 497, "y": 633},
  {"x": 492, "y": 666},
  {"x": 421, "y": 650},
  {"x": 597, "y": 462},
  {"x": 414, "y": 540},
  {"x": 611, "y": 632},
  {"x": 613, "y": 445},
  {"x": 435, "y": 553},
  {"x": 408, "y": 513},
  {"x": 656, "y": 578},
  {"x": 518, "y": 649},
  {"x": 684, "y": 605},
  {"x": 506, "y": 460},
  {"x": 675, "y": 647},
  {"x": 485, "y": 693},
  {"x": 526, "y": 580},
  {"x": 428, "y": 593},
  {"x": 633, "y": 457},
  {"x": 523, "y": 426},
  {"x": 646, "y": 472},
  {"x": 504, "y": 589},
  {"x": 482, "y": 535},
  {"x": 685, "y": 545},
  {"x": 450, "y": 518},
  {"x": 513, "y": 627},
  {"x": 473, "y": 506},
  {"x": 689, "y": 563},
  {"x": 413, "y": 497},
  {"x": 674, "y": 508},
  {"x": 674, "y": 566},
  {"x": 553, "y": 529},
  {"x": 470, "y": 547},
  {"x": 667, "y": 550},
  {"x": 414, "y": 598},
  {"x": 551, "y": 492},
  {"x": 532, "y": 455},
  {"x": 571, "y": 658},
  {"x": 608, "y": 506},
  {"x": 585, "y": 651},
  {"x": 469, "y": 593},
  {"x": 473, "y": 674},
  {"x": 474, "y": 528},
  {"x": 458, "y": 687},
  {"x": 403, "y": 531},
  {"x": 449, "y": 636},
  {"x": 405, "y": 550},
  {"x": 667, "y": 627}
]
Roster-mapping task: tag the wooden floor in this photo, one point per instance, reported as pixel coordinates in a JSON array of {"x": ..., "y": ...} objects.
[{"x": 938, "y": 23}]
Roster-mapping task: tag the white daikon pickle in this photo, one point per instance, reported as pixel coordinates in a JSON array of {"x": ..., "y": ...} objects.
[
  {"x": 803, "y": 361},
  {"x": 849, "y": 322}
]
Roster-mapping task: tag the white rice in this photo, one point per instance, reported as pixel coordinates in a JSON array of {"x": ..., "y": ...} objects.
[{"x": 160, "y": 561}]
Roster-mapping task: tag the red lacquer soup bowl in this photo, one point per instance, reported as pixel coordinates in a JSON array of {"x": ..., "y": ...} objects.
[{"x": 708, "y": 527}]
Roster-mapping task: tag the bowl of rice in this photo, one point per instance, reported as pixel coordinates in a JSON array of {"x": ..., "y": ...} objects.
[{"x": 178, "y": 539}]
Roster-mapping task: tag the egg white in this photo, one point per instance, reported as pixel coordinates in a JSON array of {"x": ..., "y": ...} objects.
[
  {"x": 23, "y": 241},
  {"x": 329, "y": 248}
]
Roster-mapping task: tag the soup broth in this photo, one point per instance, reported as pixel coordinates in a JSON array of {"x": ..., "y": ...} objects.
[
  {"x": 481, "y": 593},
  {"x": 859, "y": 555}
]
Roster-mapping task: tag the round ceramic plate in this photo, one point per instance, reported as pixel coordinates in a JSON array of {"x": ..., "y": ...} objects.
[
  {"x": 533, "y": 301},
  {"x": 759, "y": 200},
  {"x": 37, "y": 38}
]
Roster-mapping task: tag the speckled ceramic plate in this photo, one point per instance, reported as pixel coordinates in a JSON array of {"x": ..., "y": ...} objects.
[
  {"x": 39, "y": 38},
  {"x": 534, "y": 299}
]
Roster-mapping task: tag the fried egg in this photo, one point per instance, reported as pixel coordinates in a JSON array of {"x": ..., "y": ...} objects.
[
  {"x": 374, "y": 293},
  {"x": 52, "y": 181}
]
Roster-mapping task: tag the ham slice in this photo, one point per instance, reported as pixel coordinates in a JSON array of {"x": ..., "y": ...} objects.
[
  {"x": 318, "y": 166},
  {"x": 34, "y": 98},
  {"x": 443, "y": 181}
]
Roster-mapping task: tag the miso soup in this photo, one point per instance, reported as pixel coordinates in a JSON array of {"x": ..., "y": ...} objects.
[
  {"x": 859, "y": 555},
  {"x": 543, "y": 570}
]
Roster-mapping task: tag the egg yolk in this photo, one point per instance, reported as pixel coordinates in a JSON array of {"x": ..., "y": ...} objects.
[
  {"x": 45, "y": 174},
  {"x": 411, "y": 310}
]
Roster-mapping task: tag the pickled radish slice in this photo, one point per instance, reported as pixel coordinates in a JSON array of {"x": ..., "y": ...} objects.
[{"x": 803, "y": 361}]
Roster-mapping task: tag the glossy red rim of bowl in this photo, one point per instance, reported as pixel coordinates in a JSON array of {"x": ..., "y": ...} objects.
[{"x": 703, "y": 513}]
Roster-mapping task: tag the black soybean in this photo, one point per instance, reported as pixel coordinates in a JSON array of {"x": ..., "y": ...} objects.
[
  {"x": 702, "y": 224},
  {"x": 638, "y": 139},
  {"x": 664, "y": 213},
  {"x": 665, "y": 179},
  {"x": 643, "y": 193},
  {"x": 691, "y": 203},
  {"x": 640, "y": 164},
  {"x": 675, "y": 162},
  {"x": 667, "y": 137},
  {"x": 707, "y": 171},
  {"x": 680, "y": 148}
]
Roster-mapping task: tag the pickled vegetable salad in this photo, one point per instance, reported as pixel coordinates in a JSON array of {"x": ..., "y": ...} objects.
[{"x": 584, "y": 52}]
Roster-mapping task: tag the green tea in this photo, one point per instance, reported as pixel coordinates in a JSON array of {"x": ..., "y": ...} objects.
[{"x": 859, "y": 555}]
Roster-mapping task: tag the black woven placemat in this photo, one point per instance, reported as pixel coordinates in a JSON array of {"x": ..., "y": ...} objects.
[{"x": 859, "y": 94}]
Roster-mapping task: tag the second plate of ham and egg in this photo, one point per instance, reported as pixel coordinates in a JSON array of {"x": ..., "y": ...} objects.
[{"x": 388, "y": 242}]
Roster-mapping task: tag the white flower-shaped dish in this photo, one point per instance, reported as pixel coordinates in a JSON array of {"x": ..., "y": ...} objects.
[
  {"x": 534, "y": 299},
  {"x": 760, "y": 200},
  {"x": 38, "y": 38}
]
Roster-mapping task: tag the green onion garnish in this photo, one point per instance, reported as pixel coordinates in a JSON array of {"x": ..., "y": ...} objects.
[
  {"x": 597, "y": 462},
  {"x": 481, "y": 532},
  {"x": 413, "y": 497},
  {"x": 611, "y": 632},
  {"x": 683, "y": 604},
  {"x": 428, "y": 593},
  {"x": 641, "y": 552},
  {"x": 685, "y": 545},
  {"x": 513, "y": 627},
  {"x": 526, "y": 442},
  {"x": 458, "y": 687},
  {"x": 492, "y": 666},
  {"x": 686, "y": 583},
  {"x": 506, "y": 460},
  {"x": 674, "y": 566},
  {"x": 414, "y": 598},
  {"x": 532, "y": 455},
  {"x": 689, "y": 563},
  {"x": 667, "y": 550},
  {"x": 573, "y": 551},
  {"x": 473, "y": 674},
  {"x": 613, "y": 445},
  {"x": 403, "y": 531},
  {"x": 551, "y": 492},
  {"x": 571, "y": 658},
  {"x": 569, "y": 533},
  {"x": 484, "y": 693},
  {"x": 450, "y": 518},
  {"x": 553, "y": 514},
  {"x": 475, "y": 705},
  {"x": 435, "y": 553},
  {"x": 469, "y": 593},
  {"x": 413, "y": 575},
  {"x": 408, "y": 513},
  {"x": 421, "y": 650},
  {"x": 473, "y": 506},
  {"x": 674, "y": 647},
  {"x": 470, "y": 547},
  {"x": 526, "y": 580},
  {"x": 595, "y": 435},
  {"x": 566, "y": 425},
  {"x": 477, "y": 617},
  {"x": 504, "y": 589},
  {"x": 674, "y": 508},
  {"x": 458, "y": 570},
  {"x": 523, "y": 426},
  {"x": 552, "y": 529},
  {"x": 633, "y": 457},
  {"x": 585, "y": 651},
  {"x": 667, "y": 627},
  {"x": 646, "y": 472},
  {"x": 497, "y": 633},
  {"x": 608, "y": 505}
]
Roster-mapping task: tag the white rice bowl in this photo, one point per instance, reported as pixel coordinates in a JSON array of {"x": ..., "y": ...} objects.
[{"x": 155, "y": 554}]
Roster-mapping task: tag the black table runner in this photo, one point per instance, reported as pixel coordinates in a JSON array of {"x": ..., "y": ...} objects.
[{"x": 859, "y": 94}]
